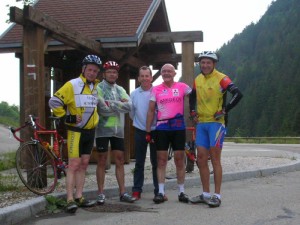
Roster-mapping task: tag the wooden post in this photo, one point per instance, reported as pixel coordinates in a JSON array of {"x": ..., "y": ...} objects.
[
  {"x": 33, "y": 83},
  {"x": 127, "y": 133},
  {"x": 188, "y": 60}
]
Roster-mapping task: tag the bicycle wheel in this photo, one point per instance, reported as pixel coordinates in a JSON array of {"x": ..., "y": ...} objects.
[{"x": 36, "y": 168}]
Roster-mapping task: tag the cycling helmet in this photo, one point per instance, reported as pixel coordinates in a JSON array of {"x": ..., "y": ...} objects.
[
  {"x": 111, "y": 65},
  {"x": 92, "y": 59},
  {"x": 208, "y": 54}
]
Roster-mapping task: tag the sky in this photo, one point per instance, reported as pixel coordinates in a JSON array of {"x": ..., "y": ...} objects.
[{"x": 219, "y": 20}]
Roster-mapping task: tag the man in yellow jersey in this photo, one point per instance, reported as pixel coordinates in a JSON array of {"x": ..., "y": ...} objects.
[
  {"x": 77, "y": 102},
  {"x": 209, "y": 95}
]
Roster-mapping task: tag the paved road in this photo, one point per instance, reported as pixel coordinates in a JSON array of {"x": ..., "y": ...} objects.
[
  {"x": 271, "y": 199},
  {"x": 257, "y": 201},
  {"x": 7, "y": 142}
]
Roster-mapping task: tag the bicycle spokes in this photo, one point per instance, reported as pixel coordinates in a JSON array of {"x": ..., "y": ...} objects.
[{"x": 36, "y": 168}]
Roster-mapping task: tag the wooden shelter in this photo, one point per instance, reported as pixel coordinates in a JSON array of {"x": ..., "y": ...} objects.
[{"x": 52, "y": 37}]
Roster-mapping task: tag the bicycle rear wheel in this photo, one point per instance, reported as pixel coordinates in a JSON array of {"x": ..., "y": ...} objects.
[{"x": 36, "y": 168}]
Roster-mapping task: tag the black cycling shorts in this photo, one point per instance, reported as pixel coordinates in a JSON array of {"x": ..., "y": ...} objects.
[
  {"x": 175, "y": 138},
  {"x": 115, "y": 143}
]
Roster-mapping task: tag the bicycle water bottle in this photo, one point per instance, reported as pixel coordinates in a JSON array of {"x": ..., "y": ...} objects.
[{"x": 46, "y": 145}]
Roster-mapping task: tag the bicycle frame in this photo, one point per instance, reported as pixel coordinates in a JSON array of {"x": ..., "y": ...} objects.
[
  {"x": 38, "y": 131},
  {"x": 38, "y": 163},
  {"x": 191, "y": 153}
]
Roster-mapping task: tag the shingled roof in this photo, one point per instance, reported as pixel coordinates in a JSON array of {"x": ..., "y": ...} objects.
[{"x": 107, "y": 21}]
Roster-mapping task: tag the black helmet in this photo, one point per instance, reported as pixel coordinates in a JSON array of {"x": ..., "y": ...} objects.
[{"x": 92, "y": 59}]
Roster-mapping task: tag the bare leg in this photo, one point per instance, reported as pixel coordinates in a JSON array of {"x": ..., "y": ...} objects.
[
  {"x": 74, "y": 164},
  {"x": 120, "y": 174},
  {"x": 162, "y": 159},
  {"x": 100, "y": 171},
  {"x": 202, "y": 159},
  {"x": 215, "y": 154},
  {"x": 180, "y": 166},
  {"x": 80, "y": 175}
]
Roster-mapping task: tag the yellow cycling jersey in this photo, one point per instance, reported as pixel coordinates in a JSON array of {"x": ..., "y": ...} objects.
[
  {"x": 77, "y": 97},
  {"x": 209, "y": 91}
]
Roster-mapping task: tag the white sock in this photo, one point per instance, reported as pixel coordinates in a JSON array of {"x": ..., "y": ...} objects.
[
  {"x": 206, "y": 194},
  {"x": 218, "y": 195},
  {"x": 161, "y": 188},
  {"x": 181, "y": 188}
]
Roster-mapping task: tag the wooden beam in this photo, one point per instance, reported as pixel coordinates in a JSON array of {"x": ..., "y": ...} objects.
[
  {"x": 125, "y": 59},
  {"x": 66, "y": 35},
  {"x": 165, "y": 57},
  {"x": 156, "y": 76},
  {"x": 16, "y": 15},
  {"x": 57, "y": 30},
  {"x": 169, "y": 37}
]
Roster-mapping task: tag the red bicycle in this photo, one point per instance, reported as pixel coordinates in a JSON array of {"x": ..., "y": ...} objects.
[{"x": 39, "y": 161}]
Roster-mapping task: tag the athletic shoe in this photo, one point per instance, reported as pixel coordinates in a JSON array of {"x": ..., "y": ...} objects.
[
  {"x": 165, "y": 198},
  {"x": 199, "y": 199},
  {"x": 136, "y": 195},
  {"x": 127, "y": 198},
  {"x": 71, "y": 206},
  {"x": 214, "y": 201},
  {"x": 101, "y": 199},
  {"x": 82, "y": 202},
  {"x": 159, "y": 198},
  {"x": 183, "y": 197}
]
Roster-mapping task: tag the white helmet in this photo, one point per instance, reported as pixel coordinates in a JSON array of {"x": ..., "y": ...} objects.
[{"x": 208, "y": 54}]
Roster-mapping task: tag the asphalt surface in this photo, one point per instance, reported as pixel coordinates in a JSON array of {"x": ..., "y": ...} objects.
[
  {"x": 259, "y": 197},
  {"x": 7, "y": 141}
]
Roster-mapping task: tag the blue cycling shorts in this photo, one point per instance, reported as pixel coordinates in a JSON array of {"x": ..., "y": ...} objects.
[{"x": 210, "y": 134}]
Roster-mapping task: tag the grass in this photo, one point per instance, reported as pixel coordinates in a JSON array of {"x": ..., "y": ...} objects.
[
  {"x": 7, "y": 161},
  {"x": 8, "y": 180}
]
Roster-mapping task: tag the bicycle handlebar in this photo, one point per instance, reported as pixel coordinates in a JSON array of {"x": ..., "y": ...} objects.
[
  {"x": 14, "y": 130},
  {"x": 31, "y": 122}
]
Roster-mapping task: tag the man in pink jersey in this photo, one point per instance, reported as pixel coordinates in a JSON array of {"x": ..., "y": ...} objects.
[{"x": 168, "y": 99}]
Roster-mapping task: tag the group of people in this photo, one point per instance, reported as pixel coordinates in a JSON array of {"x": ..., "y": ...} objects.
[{"x": 94, "y": 111}]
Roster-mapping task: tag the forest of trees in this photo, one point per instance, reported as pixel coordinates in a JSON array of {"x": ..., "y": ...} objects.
[
  {"x": 9, "y": 115},
  {"x": 263, "y": 61}
]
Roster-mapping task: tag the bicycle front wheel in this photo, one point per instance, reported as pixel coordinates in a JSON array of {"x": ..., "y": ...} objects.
[{"x": 36, "y": 168}]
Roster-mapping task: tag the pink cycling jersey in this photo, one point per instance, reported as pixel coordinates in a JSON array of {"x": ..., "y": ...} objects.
[{"x": 170, "y": 105}]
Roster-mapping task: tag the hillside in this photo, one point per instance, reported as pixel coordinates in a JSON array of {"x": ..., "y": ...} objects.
[{"x": 263, "y": 61}]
